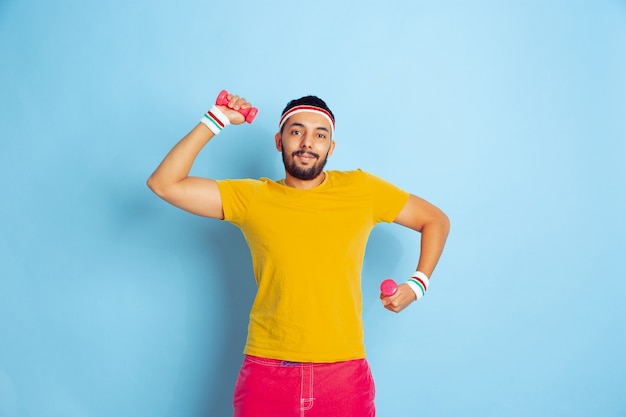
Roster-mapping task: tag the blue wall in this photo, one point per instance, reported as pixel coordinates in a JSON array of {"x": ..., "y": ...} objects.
[{"x": 509, "y": 115}]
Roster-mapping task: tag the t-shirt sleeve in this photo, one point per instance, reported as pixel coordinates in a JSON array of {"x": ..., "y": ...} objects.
[
  {"x": 236, "y": 196},
  {"x": 387, "y": 199}
]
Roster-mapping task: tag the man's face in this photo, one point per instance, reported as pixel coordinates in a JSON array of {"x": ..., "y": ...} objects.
[{"x": 306, "y": 144}]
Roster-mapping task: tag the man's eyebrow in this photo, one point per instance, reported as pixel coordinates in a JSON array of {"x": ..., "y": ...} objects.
[{"x": 298, "y": 124}]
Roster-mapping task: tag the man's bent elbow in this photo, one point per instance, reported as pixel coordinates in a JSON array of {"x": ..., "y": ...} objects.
[{"x": 156, "y": 186}]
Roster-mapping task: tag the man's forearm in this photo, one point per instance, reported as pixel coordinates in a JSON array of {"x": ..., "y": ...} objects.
[{"x": 433, "y": 239}]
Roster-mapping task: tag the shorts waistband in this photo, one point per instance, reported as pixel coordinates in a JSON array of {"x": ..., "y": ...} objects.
[{"x": 285, "y": 363}]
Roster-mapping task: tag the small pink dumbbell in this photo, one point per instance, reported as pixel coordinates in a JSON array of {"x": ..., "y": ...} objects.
[
  {"x": 388, "y": 287},
  {"x": 249, "y": 113}
]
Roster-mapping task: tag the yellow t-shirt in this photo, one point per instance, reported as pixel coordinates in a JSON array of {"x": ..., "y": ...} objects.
[{"x": 307, "y": 251}]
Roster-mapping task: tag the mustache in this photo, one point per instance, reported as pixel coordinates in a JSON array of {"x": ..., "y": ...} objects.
[{"x": 302, "y": 152}]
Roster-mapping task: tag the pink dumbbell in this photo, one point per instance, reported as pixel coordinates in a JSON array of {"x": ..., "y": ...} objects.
[
  {"x": 388, "y": 287},
  {"x": 249, "y": 113}
]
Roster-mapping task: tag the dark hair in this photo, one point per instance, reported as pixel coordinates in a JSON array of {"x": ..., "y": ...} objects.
[{"x": 308, "y": 101}]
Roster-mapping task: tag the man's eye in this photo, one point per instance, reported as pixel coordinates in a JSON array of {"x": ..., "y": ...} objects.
[
  {"x": 295, "y": 132},
  {"x": 321, "y": 136}
]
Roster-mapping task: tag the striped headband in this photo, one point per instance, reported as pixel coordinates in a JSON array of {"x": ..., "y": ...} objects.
[{"x": 305, "y": 108}]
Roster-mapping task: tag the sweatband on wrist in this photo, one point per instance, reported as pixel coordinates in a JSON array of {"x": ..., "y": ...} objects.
[
  {"x": 419, "y": 284},
  {"x": 215, "y": 120}
]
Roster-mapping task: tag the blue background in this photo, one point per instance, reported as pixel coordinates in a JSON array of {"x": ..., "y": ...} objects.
[{"x": 509, "y": 115}]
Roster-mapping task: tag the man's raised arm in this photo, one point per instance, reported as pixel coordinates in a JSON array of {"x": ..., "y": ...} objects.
[{"x": 171, "y": 180}]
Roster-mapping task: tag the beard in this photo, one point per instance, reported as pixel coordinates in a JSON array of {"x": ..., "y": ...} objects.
[{"x": 304, "y": 173}]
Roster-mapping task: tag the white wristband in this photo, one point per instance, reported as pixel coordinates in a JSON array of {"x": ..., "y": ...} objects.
[
  {"x": 215, "y": 120},
  {"x": 419, "y": 283}
]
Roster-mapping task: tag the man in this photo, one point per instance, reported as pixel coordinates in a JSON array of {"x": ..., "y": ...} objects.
[{"x": 307, "y": 235}]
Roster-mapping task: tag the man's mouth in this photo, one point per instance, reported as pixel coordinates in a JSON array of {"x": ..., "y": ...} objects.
[{"x": 305, "y": 156}]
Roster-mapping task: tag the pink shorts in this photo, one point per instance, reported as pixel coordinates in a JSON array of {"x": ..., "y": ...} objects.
[{"x": 274, "y": 388}]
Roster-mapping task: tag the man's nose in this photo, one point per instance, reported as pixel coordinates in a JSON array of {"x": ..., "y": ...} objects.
[{"x": 307, "y": 141}]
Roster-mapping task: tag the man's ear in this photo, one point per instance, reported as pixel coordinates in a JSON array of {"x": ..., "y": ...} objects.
[
  {"x": 279, "y": 142},
  {"x": 332, "y": 147}
]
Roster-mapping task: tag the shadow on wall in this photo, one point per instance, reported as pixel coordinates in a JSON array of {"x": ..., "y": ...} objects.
[
  {"x": 231, "y": 259},
  {"x": 209, "y": 287}
]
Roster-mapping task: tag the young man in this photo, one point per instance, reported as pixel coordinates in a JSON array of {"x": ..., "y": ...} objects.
[{"x": 307, "y": 233}]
